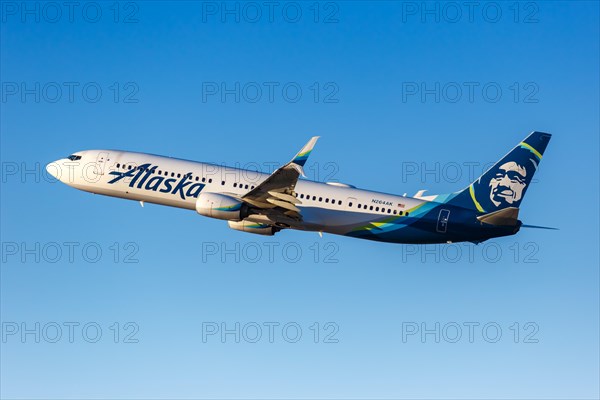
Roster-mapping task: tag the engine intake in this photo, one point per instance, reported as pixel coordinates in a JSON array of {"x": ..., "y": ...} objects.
[{"x": 221, "y": 206}]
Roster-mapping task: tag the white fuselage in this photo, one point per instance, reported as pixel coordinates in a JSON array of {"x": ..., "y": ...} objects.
[{"x": 327, "y": 207}]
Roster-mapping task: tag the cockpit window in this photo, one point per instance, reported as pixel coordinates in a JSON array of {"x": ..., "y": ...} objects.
[{"x": 73, "y": 157}]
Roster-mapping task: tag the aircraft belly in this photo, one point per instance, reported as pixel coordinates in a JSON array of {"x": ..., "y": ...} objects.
[
  {"x": 138, "y": 195},
  {"x": 332, "y": 221}
]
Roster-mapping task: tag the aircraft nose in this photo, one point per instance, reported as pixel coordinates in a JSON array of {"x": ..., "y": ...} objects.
[{"x": 56, "y": 170}]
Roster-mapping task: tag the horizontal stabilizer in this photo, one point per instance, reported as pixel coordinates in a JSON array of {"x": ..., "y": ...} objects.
[
  {"x": 538, "y": 227},
  {"x": 505, "y": 217}
]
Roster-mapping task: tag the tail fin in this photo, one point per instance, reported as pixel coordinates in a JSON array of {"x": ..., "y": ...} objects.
[{"x": 504, "y": 185}]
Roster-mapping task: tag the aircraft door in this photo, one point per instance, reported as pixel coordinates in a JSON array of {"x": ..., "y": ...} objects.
[
  {"x": 442, "y": 222},
  {"x": 102, "y": 163}
]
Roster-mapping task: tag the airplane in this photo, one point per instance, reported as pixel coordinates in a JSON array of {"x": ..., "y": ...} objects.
[{"x": 265, "y": 204}]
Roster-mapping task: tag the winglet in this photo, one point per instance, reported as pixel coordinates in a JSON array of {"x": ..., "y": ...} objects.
[{"x": 300, "y": 159}]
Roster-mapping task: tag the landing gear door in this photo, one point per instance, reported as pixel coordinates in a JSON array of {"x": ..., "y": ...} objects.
[
  {"x": 442, "y": 222},
  {"x": 102, "y": 163}
]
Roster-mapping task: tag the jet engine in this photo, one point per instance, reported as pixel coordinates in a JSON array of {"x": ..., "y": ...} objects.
[
  {"x": 253, "y": 227},
  {"x": 221, "y": 206}
]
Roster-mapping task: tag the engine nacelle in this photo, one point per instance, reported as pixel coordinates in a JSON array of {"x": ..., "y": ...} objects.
[
  {"x": 221, "y": 206},
  {"x": 253, "y": 227}
]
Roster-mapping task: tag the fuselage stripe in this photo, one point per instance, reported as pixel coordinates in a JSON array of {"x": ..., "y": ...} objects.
[
  {"x": 472, "y": 193},
  {"x": 534, "y": 151}
]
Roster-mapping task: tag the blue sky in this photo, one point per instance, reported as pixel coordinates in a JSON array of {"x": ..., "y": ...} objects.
[{"x": 406, "y": 96}]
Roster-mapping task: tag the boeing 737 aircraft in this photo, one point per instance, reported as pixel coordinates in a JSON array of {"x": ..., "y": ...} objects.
[{"x": 265, "y": 204}]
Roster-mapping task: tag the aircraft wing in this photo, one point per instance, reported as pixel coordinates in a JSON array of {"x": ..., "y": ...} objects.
[{"x": 276, "y": 193}]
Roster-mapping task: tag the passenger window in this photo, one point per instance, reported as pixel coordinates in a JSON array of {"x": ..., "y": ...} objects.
[
  {"x": 314, "y": 198},
  {"x": 395, "y": 212},
  {"x": 406, "y": 213},
  {"x": 389, "y": 211},
  {"x": 371, "y": 208},
  {"x": 349, "y": 204},
  {"x": 222, "y": 183},
  {"x": 197, "y": 179},
  {"x": 246, "y": 187},
  {"x": 234, "y": 184},
  {"x": 118, "y": 165},
  {"x": 320, "y": 199},
  {"x": 209, "y": 180},
  {"x": 326, "y": 200},
  {"x": 376, "y": 208},
  {"x": 339, "y": 202}
]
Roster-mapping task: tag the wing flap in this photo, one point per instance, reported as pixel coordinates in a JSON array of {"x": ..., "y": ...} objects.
[
  {"x": 283, "y": 204},
  {"x": 285, "y": 197}
]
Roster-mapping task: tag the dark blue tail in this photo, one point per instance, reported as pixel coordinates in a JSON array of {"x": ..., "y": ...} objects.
[{"x": 504, "y": 185}]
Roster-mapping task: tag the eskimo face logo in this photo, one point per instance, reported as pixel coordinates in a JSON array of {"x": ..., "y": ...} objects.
[{"x": 508, "y": 185}]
